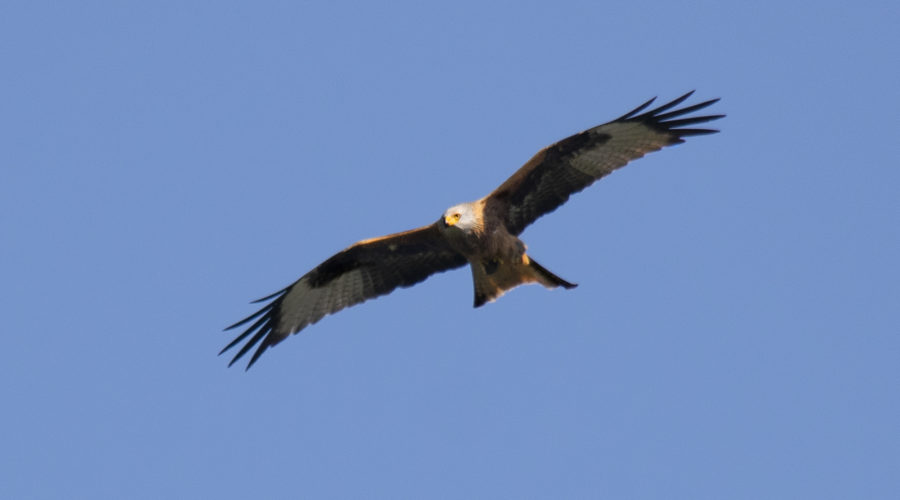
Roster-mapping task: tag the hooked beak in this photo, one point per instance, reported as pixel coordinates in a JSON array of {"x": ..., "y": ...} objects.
[{"x": 449, "y": 221}]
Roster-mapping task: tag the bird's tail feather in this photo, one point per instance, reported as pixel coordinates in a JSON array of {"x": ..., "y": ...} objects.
[
  {"x": 549, "y": 279},
  {"x": 493, "y": 279}
]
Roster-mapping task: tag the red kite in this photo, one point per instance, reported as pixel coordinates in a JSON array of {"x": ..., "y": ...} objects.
[{"x": 483, "y": 233}]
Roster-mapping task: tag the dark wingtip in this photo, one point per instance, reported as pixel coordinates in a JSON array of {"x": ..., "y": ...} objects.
[
  {"x": 253, "y": 316},
  {"x": 666, "y": 119},
  {"x": 683, "y": 111},
  {"x": 259, "y": 350},
  {"x": 261, "y": 330},
  {"x": 260, "y": 322},
  {"x": 686, "y": 132},
  {"x": 671, "y": 104},
  {"x": 271, "y": 296},
  {"x": 636, "y": 110}
]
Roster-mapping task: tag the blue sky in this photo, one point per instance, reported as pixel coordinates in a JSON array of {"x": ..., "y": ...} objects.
[{"x": 735, "y": 333}]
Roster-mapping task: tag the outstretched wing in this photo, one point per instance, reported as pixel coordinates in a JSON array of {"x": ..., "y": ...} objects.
[
  {"x": 363, "y": 271},
  {"x": 574, "y": 163}
]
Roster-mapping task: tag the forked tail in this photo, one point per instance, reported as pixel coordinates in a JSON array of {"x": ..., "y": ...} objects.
[
  {"x": 549, "y": 279},
  {"x": 494, "y": 278}
]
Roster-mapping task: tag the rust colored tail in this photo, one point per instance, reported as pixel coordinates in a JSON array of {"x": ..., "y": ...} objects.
[
  {"x": 494, "y": 278},
  {"x": 550, "y": 280}
]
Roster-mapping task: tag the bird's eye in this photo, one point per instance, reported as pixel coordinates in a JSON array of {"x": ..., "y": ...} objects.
[{"x": 456, "y": 216}]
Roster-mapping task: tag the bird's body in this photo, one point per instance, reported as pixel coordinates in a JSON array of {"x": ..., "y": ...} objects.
[
  {"x": 497, "y": 258},
  {"x": 484, "y": 233}
]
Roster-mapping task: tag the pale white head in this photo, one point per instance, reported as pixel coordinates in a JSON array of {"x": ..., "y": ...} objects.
[{"x": 462, "y": 216}]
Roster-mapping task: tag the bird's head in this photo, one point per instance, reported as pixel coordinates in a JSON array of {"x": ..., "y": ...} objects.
[{"x": 460, "y": 216}]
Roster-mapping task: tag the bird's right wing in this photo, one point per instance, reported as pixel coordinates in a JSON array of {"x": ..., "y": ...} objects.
[
  {"x": 556, "y": 172},
  {"x": 363, "y": 271}
]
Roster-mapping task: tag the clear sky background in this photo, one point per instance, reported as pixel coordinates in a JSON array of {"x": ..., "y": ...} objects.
[{"x": 735, "y": 334}]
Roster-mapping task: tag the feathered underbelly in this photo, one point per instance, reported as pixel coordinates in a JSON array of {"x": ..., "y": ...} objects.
[{"x": 490, "y": 245}]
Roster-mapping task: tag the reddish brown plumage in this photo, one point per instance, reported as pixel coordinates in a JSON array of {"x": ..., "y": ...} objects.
[{"x": 483, "y": 233}]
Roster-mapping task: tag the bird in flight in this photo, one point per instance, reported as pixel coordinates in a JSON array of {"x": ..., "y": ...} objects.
[{"x": 482, "y": 233}]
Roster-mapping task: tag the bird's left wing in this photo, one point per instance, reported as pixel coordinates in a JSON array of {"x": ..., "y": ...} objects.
[
  {"x": 363, "y": 271},
  {"x": 572, "y": 164}
]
